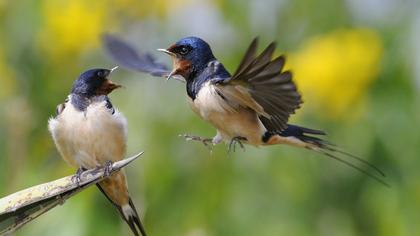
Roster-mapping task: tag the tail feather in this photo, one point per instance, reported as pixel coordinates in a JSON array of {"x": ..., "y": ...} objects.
[
  {"x": 136, "y": 218},
  {"x": 351, "y": 165},
  {"x": 323, "y": 144},
  {"x": 328, "y": 149},
  {"x": 129, "y": 214}
]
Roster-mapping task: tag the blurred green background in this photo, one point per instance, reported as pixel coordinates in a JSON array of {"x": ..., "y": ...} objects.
[{"x": 356, "y": 63}]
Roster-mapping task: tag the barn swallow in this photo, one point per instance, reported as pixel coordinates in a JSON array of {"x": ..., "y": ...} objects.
[
  {"x": 251, "y": 106},
  {"x": 90, "y": 132}
]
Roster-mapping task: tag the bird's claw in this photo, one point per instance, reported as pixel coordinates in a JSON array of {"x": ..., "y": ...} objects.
[
  {"x": 77, "y": 177},
  {"x": 107, "y": 168},
  {"x": 208, "y": 142},
  {"x": 234, "y": 141}
]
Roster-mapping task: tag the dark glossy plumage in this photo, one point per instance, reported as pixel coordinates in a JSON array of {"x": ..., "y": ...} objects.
[
  {"x": 89, "y": 82},
  {"x": 87, "y": 86},
  {"x": 214, "y": 72},
  {"x": 197, "y": 52}
]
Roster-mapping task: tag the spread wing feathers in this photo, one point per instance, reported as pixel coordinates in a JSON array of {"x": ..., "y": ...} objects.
[
  {"x": 125, "y": 54},
  {"x": 249, "y": 57},
  {"x": 260, "y": 84}
]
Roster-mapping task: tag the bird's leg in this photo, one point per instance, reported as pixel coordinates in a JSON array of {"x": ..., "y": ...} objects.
[
  {"x": 234, "y": 141},
  {"x": 107, "y": 168},
  {"x": 206, "y": 141},
  {"x": 76, "y": 178}
]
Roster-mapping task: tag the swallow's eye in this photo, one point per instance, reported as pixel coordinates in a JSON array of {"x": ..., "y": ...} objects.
[
  {"x": 184, "y": 50},
  {"x": 100, "y": 73}
]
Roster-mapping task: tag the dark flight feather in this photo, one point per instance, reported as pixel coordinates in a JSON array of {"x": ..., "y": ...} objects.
[
  {"x": 249, "y": 56},
  {"x": 128, "y": 57},
  {"x": 271, "y": 88}
]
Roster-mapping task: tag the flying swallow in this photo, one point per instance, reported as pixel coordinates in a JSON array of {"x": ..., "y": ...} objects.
[
  {"x": 90, "y": 132},
  {"x": 250, "y": 106}
]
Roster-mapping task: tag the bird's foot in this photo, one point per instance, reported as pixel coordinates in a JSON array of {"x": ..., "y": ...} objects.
[
  {"x": 234, "y": 141},
  {"x": 208, "y": 142},
  {"x": 76, "y": 178},
  {"x": 107, "y": 168}
]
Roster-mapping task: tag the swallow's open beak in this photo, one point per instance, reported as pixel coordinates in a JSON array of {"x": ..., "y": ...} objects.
[
  {"x": 112, "y": 70},
  {"x": 173, "y": 55},
  {"x": 171, "y": 74},
  {"x": 108, "y": 86},
  {"x": 167, "y": 52}
]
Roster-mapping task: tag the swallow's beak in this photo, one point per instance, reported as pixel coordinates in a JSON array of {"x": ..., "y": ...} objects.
[
  {"x": 112, "y": 70},
  {"x": 173, "y": 55},
  {"x": 108, "y": 86},
  {"x": 167, "y": 52},
  {"x": 171, "y": 74}
]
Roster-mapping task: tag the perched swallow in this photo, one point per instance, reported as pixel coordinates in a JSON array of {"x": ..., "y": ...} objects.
[
  {"x": 89, "y": 132},
  {"x": 250, "y": 106}
]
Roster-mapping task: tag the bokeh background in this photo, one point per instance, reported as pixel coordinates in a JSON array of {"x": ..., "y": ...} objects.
[{"x": 356, "y": 63}]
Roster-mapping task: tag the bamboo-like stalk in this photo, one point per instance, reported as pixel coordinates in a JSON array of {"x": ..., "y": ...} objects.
[{"x": 21, "y": 207}]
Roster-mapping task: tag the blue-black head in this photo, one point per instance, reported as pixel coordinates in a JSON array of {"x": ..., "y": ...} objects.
[
  {"x": 94, "y": 82},
  {"x": 190, "y": 56}
]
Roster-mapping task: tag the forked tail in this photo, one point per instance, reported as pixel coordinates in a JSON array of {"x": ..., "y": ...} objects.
[
  {"x": 129, "y": 214},
  {"x": 304, "y": 137}
]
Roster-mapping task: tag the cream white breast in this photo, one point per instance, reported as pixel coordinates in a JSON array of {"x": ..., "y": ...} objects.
[
  {"x": 229, "y": 118},
  {"x": 89, "y": 138}
]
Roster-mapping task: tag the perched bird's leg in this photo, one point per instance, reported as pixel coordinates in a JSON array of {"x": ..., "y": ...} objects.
[
  {"x": 208, "y": 142},
  {"x": 108, "y": 168},
  {"x": 234, "y": 141},
  {"x": 76, "y": 179}
]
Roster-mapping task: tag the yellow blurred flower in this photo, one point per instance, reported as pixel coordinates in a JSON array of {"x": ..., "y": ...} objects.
[
  {"x": 72, "y": 27},
  {"x": 142, "y": 8},
  {"x": 333, "y": 71}
]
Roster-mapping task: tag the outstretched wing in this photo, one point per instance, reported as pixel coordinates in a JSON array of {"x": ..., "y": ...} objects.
[
  {"x": 125, "y": 55},
  {"x": 261, "y": 83}
]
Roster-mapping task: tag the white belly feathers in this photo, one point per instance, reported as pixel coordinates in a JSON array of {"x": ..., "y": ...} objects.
[
  {"x": 89, "y": 138},
  {"x": 230, "y": 119}
]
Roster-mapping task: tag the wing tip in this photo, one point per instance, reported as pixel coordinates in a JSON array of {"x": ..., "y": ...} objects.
[{"x": 255, "y": 41}]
